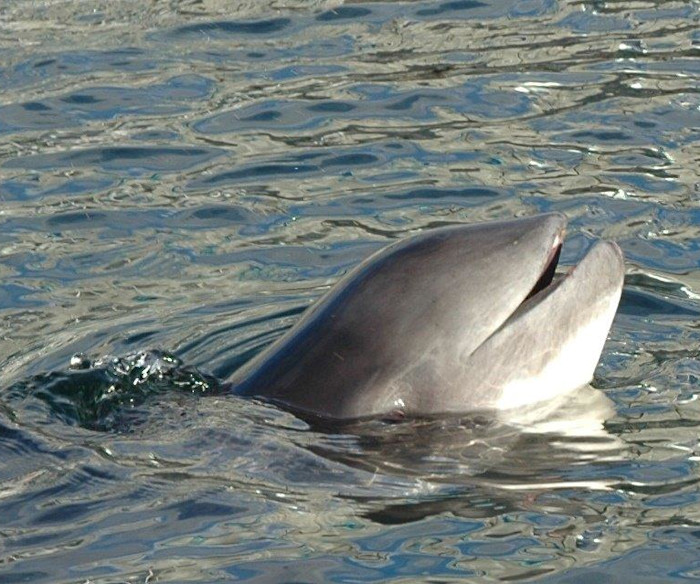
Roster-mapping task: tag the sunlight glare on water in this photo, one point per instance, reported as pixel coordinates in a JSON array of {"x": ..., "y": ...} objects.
[{"x": 179, "y": 181}]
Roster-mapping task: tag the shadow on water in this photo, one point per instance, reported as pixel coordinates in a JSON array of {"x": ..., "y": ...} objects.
[{"x": 483, "y": 464}]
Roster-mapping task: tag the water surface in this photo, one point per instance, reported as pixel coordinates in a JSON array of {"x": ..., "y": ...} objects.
[{"x": 179, "y": 181}]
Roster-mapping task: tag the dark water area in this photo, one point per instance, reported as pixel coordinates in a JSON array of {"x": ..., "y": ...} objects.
[{"x": 180, "y": 180}]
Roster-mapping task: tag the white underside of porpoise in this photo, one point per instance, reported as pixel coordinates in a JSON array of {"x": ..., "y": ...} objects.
[{"x": 575, "y": 361}]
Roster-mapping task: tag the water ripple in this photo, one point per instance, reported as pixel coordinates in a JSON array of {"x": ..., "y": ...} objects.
[{"x": 178, "y": 183}]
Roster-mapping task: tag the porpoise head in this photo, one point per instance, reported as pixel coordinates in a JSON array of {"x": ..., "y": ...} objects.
[{"x": 453, "y": 320}]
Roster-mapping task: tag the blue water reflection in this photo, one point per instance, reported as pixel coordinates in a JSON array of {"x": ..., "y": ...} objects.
[{"x": 179, "y": 183}]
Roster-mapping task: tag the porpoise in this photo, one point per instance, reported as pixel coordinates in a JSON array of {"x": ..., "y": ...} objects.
[{"x": 452, "y": 320}]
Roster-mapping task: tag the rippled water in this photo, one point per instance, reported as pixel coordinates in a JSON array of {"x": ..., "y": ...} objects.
[{"x": 179, "y": 180}]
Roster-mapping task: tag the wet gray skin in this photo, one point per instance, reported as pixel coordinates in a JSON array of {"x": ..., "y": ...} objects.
[{"x": 453, "y": 320}]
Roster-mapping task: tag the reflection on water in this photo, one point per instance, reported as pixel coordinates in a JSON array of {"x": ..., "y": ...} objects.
[{"x": 178, "y": 183}]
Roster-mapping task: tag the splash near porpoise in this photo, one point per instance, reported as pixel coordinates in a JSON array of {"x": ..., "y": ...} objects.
[{"x": 453, "y": 320}]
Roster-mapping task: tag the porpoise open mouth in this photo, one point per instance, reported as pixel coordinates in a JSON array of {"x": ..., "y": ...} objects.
[{"x": 549, "y": 272}]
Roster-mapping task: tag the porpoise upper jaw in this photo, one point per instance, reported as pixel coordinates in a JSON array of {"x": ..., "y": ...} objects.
[{"x": 451, "y": 320}]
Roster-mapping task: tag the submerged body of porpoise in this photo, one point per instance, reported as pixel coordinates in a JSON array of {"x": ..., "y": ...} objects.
[{"x": 453, "y": 320}]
